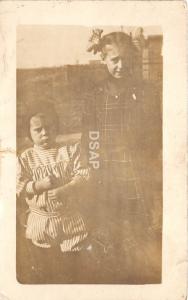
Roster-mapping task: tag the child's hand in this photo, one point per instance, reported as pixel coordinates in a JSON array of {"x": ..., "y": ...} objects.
[
  {"x": 57, "y": 182},
  {"x": 44, "y": 184},
  {"x": 60, "y": 192}
]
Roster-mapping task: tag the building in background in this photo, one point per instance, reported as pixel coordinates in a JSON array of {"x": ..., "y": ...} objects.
[{"x": 154, "y": 46}]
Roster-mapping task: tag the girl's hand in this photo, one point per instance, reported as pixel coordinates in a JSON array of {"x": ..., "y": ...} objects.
[
  {"x": 44, "y": 184},
  {"x": 61, "y": 192}
]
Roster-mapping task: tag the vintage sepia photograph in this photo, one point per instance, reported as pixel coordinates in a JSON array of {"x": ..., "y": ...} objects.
[
  {"x": 93, "y": 150},
  {"x": 89, "y": 154}
]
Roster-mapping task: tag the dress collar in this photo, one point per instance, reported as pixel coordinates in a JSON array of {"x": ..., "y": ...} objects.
[
  {"x": 116, "y": 87},
  {"x": 40, "y": 148}
]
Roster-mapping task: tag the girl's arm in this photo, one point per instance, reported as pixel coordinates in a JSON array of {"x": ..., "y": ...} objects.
[
  {"x": 25, "y": 185},
  {"x": 80, "y": 175},
  {"x": 23, "y": 179}
]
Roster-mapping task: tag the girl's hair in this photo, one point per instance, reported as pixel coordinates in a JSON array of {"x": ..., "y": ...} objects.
[
  {"x": 99, "y": 43},
  {"x": 118, "y": 38},
  {"x": 43, "y": 109}
]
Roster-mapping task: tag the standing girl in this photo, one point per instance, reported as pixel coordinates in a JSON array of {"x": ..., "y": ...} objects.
[
  {"x": 49, "y": 177},
  {"x": 115, "y": 112}
]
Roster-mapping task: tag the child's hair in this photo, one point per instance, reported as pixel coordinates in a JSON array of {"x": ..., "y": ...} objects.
[
  {"x": 42, "y": 109},
  {"x": 99, "y": 42},
  {"x": 118, "y": 38}
]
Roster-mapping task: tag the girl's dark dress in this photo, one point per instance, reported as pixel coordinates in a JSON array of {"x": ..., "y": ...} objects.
[{"x": 122, "y": 187}]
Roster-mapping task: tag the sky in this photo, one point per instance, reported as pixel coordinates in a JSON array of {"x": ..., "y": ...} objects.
[{"x": 58, "y": 45}]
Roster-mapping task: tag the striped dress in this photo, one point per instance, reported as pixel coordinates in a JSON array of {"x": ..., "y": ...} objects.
[{"x": 52, "y": 221}]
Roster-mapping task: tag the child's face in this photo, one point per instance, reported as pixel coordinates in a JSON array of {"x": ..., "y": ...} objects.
[
  {"x": 43, "y": 131},
  {"x": 117, "y": 60}
]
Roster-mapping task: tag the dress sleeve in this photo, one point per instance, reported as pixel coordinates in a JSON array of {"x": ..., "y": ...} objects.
[
  {"x": 154, "y": 121},
  {"x": 24, "y": 182},
  {"x": 79, "y": 170}
]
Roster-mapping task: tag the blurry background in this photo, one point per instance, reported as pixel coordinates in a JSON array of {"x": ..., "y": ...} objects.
[{"x": 53, "y": 65}]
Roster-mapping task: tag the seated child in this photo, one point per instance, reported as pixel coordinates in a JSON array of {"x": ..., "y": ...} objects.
[{"x": 48, "y": 178}]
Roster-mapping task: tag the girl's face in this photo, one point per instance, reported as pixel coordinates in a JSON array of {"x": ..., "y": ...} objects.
[
  {"x": 43, "y": 131},
  {"x": 117, "y": 59}
]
